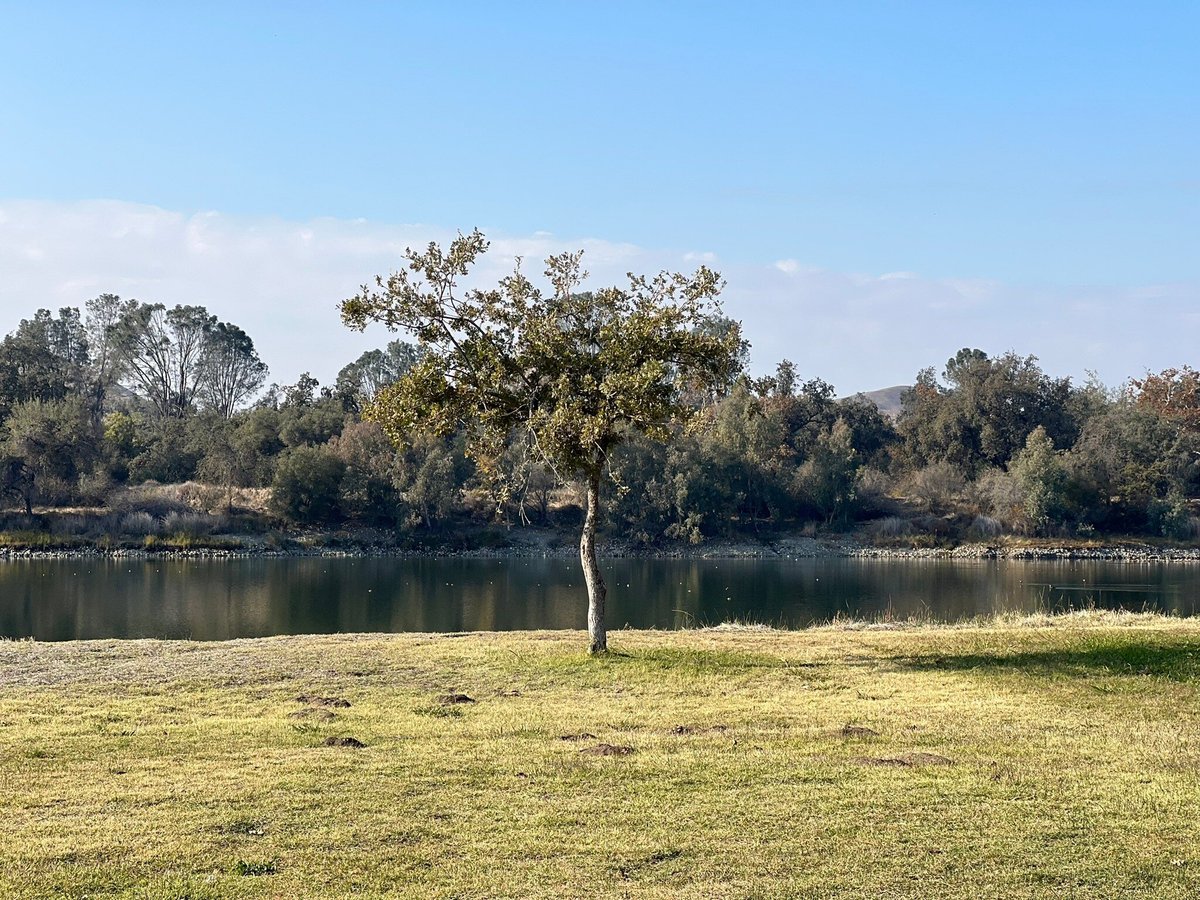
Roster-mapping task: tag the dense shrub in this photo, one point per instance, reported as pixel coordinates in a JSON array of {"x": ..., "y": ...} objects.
[
  {"x": 1042, "y": 474},
  {"x": 430, "y": 475},
  {"x": 368, "y": 492},
  {"x": 95, "y": 486},
  {"x": 191, "y": 524},
  {"x": 57, "y": 443},
  {"x": 934, "y": 487},
  {"x": 891, "y": 527},
  {"x": 311, "y": 425},
  {"x": 157, "y": 500},
  {"x": 70, "y": 525},
  {"x": 999, "y": 495},
  {"x": 169, "y": 452},
  {"x": 1171, "y": 517},
  {"x": 139, "y": 523},
  {"x": 873, "y": 492},
  {"x": 307, "y": 486},
  {"x": 984, "y": 527}
]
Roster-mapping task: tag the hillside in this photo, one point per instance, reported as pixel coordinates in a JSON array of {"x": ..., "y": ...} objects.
[{"x": 886, "y": 399}]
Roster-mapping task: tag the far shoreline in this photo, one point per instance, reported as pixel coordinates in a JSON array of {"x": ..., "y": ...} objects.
[{"x": 551, "y": 545}]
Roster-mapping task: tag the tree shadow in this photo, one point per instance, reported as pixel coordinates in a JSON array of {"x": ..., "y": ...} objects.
[{"x": 1108, "y": 658}]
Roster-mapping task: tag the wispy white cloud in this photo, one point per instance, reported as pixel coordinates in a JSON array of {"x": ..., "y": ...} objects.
[
  {"x": 861, "y": 331},
  {"x": 282, "y": 280}
]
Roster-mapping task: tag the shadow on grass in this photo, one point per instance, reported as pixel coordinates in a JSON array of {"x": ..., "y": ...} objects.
[
  {"x": 681, "y": 661},
  {"x": 1099, "y": 657}
]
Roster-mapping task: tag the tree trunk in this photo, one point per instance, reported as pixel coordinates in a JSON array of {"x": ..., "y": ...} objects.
[{"x": 597, "y": 592}]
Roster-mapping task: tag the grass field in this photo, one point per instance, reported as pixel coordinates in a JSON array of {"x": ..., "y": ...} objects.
[{"x": 1045, "y": 758}]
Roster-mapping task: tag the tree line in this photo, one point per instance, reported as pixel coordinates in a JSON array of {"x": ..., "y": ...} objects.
[{"x": 123, "y": 392}]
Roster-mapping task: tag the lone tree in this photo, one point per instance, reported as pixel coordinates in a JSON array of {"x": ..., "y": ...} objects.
[{"x": 574, "y": 373}]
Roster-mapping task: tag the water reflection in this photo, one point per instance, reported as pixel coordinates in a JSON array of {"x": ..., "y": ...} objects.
[{"x": 62, "y": 600}]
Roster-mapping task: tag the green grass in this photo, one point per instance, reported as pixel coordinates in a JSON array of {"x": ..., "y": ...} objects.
[{"x": 172, "y": 769}]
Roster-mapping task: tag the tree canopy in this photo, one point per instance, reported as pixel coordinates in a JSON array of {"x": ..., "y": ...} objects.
[
  {"x": 576, "y": 372},
  {"x": 985, "y": 415},
  {"x": 178, "y": 356}
]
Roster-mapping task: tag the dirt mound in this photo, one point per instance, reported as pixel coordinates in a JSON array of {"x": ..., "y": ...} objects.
[
  {"x": 906, "y": 760},
  {"x": 354, "y": 743},
  {"x": 313, "y": 700},
  {"x": 607, "y": 750},
  {"x": 856, "y": 731}
]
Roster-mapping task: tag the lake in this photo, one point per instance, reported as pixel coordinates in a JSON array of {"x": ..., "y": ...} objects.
[{"x": 218, "y": 600}]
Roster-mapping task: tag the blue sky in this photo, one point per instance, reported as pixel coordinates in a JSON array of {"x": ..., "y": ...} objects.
[{"x": 1042, "y": 150}]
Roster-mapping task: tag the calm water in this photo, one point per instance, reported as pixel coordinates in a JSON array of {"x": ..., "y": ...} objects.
[{"x": 64, "y": 600}]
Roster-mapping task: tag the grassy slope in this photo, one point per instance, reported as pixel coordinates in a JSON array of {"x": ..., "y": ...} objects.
[{"x": 171, "y": 769}]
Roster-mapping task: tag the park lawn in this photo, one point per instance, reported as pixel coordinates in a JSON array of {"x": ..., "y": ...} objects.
[{"x": 1044, "y": 758}]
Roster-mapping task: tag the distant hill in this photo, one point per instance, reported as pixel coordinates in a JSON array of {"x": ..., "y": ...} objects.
[{"x": 886, "y": 400}]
